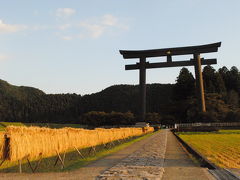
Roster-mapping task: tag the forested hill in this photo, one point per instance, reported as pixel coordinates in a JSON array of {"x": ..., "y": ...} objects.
[
  {"x": 170, "y": 102},
  {"x": 18, "y": 92},
  {"x": 26, "y": 104},
  {"x": 123, "y": 98}
]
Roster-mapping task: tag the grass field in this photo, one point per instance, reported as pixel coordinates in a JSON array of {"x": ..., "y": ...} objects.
[
  {"x": 229, "y": 131},
  {"x": 73, "y": 160},
  {"x": 222, "y": 148}
]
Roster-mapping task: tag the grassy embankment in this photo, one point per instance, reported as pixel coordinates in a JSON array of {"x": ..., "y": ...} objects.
[{"x": 222, "y": 148}]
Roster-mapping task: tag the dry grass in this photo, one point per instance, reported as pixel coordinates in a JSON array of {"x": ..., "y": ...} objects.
[
  {"x": 73, "y": 160},
  {"x": 221, "y": 149},
  {"x": 1, "y": 144},
  {"x": 35, "y": 142}
]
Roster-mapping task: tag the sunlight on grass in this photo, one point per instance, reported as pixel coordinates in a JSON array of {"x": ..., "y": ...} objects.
[{"x": 222, "y": 149}]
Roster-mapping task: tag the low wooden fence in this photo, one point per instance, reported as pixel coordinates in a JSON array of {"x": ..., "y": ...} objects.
[{"x": 206, "y": 126}]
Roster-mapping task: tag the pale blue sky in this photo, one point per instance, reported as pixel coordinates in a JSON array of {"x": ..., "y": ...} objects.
[{"x": 72, "y": 46}]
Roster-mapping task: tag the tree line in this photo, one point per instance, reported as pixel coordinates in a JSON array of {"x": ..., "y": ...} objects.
[
  {"x": 119, "y": 104},
  {"x": 222, "y": 90}
]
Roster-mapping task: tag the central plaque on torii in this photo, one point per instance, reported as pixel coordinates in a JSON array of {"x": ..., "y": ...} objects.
[{"x": 196, "y": 61}]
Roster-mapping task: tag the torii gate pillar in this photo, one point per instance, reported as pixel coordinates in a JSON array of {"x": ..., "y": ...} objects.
[
  {"x": 142, "y": 83},
  {"x": 199, "y": 82}
]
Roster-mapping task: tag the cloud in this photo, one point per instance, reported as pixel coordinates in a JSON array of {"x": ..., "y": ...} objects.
[
  {"x": 64, "y": 26},
  {"x": 92, "y": 28},
  {"x": 65, "y": 12},
  {"x": 109, "y": 20},
  {"x": 40, "y": 27},
  {"x": 3, "y": 57},
  {"x": 10, "y": 28},
  {"x": 96, "y": 27},
  {"x": 67, "y": 38}
]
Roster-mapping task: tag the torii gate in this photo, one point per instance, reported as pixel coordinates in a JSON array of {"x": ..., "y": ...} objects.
[{"x": 197, "y": 61}]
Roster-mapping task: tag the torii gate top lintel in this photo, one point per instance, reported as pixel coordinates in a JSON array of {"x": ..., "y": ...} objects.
[{"x": 207, "y": 48}]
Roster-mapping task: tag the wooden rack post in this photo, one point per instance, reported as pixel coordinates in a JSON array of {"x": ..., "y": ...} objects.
[{"x": 79, "y": 152}]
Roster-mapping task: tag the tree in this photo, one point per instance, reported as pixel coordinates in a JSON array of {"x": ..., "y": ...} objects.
[
  {"x": 208, "y": 79},
  {"x": 185, "y": 85},
  {"x": 153, "y": 118},
  {"x": 224, "y": 73},
  {"x": 234, "y": 79},
  {"x": 219, "y": 83},
  {"x": 233, "y": 116},
  {"x": 231, "y": 78},
  {"x": 233, "y": 98}
]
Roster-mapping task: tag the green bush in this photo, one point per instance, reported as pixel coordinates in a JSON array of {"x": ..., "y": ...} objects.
[
  {"x": 168, "y": 120},
  {"x": 233, "y": 116},
  {"x": 99, "y": 118},
  {"x": 153, "y": 118},
  {"x": 205, "y": 117}
]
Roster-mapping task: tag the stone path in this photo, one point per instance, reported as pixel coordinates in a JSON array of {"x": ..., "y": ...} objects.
[
  {"x": 160, "y": 158},
  {"x": 145, "y": 163}
]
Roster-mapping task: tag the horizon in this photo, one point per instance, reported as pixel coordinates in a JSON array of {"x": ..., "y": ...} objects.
[{"x": 73, "y": 46}]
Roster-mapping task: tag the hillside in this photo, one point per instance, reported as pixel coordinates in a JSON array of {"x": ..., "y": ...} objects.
[
  {"x": 123, "y": 98},
  {"x": 18, "y": 92},
  {"x": 27, "y": 104},
  {"x": 172, "y": 102}
]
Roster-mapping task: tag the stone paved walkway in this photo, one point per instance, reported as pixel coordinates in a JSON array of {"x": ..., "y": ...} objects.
[
  {"x": 145, "y": 163},
  {"x": 160, "y": 158}
]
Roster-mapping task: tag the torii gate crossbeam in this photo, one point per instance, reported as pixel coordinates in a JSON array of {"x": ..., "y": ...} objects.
[{"x": 197, "y": 61}]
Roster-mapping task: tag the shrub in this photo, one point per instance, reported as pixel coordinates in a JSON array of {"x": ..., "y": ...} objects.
[
  {"x": 232, "y": 116},
  {"x": 205, "y": 117},
  {"x": 168, "y": 120},
  {"x": 153, "y": 118},
  {"x": 95, "y": 118}
]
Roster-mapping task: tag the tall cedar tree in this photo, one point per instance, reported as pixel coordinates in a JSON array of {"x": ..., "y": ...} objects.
[
  {"x": 213, "y": 81},
  {"x": 185, "y": 85}
]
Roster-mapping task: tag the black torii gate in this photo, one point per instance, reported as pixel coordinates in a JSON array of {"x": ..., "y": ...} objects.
[{"x": 197, "y": 61}]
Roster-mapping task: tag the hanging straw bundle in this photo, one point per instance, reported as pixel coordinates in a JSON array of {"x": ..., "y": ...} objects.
[{"x": 33, "y": 142}]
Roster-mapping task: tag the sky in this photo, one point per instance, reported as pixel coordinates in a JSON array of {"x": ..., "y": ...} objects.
[{"x": 72, "y": 46}]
